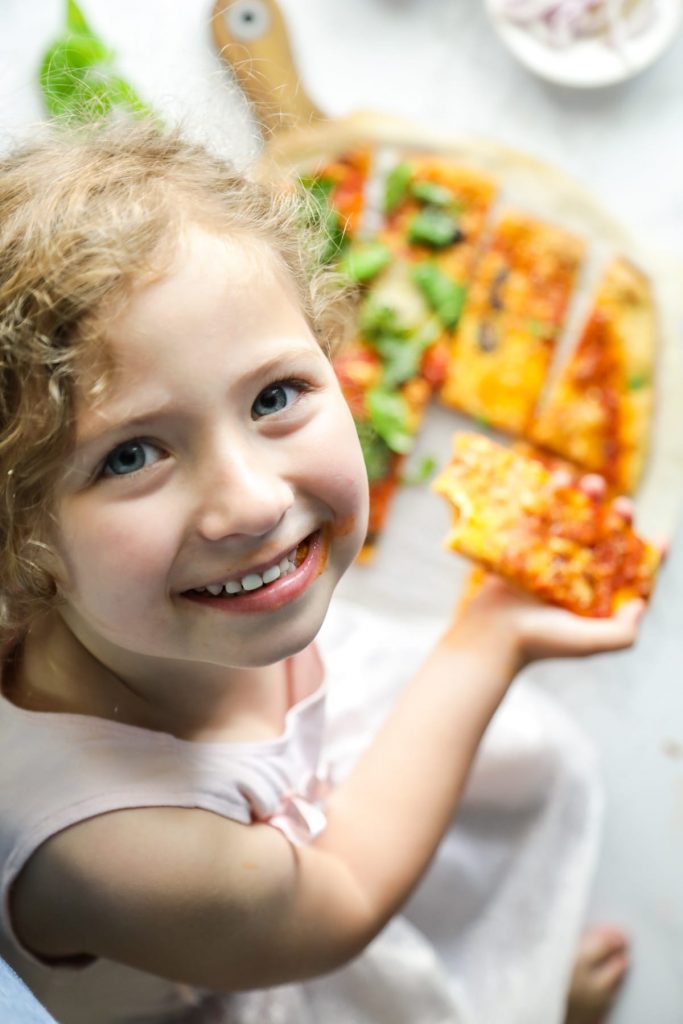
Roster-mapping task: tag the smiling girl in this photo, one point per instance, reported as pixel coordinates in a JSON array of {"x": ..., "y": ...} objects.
[{"x": 182, "y": 490}]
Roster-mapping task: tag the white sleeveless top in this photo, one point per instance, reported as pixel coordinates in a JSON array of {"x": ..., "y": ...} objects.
[
  {"x": 59, "y": 769},
  {"x": 488, "y": 935}
]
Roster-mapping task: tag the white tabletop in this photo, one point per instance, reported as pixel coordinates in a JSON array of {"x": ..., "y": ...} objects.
[{"x": 439, "y": 62}]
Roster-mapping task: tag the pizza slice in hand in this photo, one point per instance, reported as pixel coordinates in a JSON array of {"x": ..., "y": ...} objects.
[
  {"x": 544, "y": 534},
  {"x": 598, "y": 411},
  {"x": 516, "y": 310}
]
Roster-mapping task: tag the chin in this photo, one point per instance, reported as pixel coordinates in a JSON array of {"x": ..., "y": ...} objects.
[{"x": 284, "y": 638}]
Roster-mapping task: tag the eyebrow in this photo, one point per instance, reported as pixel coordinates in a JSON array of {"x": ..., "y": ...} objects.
[{"x": 280, "y": 363}]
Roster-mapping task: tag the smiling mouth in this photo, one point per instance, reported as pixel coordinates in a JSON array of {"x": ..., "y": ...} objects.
[{"x": 253, "y": 581}]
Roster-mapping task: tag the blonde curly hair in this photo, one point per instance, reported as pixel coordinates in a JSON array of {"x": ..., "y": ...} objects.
[{"x": 84, "y": 214}]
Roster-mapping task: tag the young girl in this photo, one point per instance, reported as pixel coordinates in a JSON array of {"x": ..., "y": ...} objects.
[{"x": 182, "y": 489}]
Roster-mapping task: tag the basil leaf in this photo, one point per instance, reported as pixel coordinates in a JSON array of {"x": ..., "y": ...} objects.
[
  {"x": 396, "y": 187},
  {"x": 445, "y": 296},
  {"x": 324, "y": 217},
  {"x": 430, "y": 192},
  {"x": 636, "y": 381},
  {"x": 434, "y": 227},
  {"x": 375, "y": 319},
  {"x": 389, "y": 416},
  {"x": 363, "y": 262},
  {"x": 422, "y": 472},
  {"x": 376, "y": 453},
  {"x": 77, "y": 76},
  {"x": 400, "y": 360}
]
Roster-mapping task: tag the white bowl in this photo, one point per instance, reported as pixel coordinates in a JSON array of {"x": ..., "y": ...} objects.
[{"x": 589, "y": 62}]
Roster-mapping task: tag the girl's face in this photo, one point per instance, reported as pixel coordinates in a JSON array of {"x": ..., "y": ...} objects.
[{"x": 222, "y": 446}]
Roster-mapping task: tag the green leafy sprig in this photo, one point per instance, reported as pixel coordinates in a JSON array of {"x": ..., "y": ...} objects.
[{"x": 78, "y": 78}]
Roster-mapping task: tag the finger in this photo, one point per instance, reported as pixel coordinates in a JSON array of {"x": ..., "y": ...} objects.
[
  {"x": 662, "y": 543},
  {"x": 624, "y": 507},
  {"x": 618, "y": 631},
  {"x": 630, "y": 611},
  {"x": 593, "y": 484},
  {"x": 561, "y": 477}
]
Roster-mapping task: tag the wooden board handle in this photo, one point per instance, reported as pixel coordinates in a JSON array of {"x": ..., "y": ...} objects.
[{"x": 252, "y": 39}]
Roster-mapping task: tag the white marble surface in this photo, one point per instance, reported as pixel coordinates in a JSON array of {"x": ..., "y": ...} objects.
[{"x": 439, "y": 62}]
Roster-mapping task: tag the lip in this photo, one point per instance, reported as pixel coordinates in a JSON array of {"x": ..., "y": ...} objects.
[
  {"x": 276, "y": 594},
  {"x": 260, "y": 568}
]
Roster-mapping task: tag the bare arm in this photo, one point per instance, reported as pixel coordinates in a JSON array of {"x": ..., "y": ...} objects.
[{"x": 188, "y": 895}]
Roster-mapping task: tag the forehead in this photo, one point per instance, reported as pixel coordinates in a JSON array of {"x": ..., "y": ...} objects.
[
  {"x": 219, "y": 300},
  {"x": 206, "y": 276}
]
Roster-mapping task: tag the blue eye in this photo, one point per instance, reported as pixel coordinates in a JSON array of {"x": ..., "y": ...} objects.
[
  {"x": 130, "y": 458},
  {"x": 276, "y": 397}
]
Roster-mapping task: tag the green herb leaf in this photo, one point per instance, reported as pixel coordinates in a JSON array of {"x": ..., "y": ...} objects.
[
  {"x": 324, "y": 218},
  {"x": 434, "y": 227},
  {"x": 421, "y": 473},
  {"x": 375, "y": 319},
  {"x": 75, "y": 20},
  {"x": 363, "y": 262},
  {"x": 77, "y": 76},
  {"x": 637, "y": 381},
  {"x": 319, "y": 187},
  {"x": 376, "y": 453},
  {"x": 400, "y": 358},
  {"x": 397, "y": 183},
  {"x": 445, "y": 296},
  {"x": 430, "y": 192},
  {"x": 389, "y": 417}
]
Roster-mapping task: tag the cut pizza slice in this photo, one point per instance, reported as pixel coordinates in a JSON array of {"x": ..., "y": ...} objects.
[
  {"x": 435, "y": 212},
  {"x": 385, "y": 377},
  {"x": 515, "y": 312},
  {"x": 518, "y": 519},
  {"x": 598, "y": 411}
]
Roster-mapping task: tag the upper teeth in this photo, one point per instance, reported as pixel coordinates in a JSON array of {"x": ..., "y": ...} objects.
[{"x": 253, "y": 580}]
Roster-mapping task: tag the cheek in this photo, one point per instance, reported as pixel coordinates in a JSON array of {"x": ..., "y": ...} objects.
[
  {"x": 113, "y": 556},
  {"x": 339, "y": 463}
]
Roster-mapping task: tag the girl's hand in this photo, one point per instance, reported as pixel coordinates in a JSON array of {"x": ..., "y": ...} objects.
[{"x": 533, "y": 630}]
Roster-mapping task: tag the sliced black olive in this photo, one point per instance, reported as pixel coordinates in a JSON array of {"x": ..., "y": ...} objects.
[
  {"x": 487, "y": 338},
  {"x": 496, "y": 292}
]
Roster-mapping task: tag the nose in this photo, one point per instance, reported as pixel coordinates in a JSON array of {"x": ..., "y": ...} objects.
[{"x": 242, "y": 494}]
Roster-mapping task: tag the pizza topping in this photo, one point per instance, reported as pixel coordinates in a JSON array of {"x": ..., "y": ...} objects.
[
  {"x": 376, "y": 452},
  {"x": 323, "y": 216},
  {"x": 444, "y": 295},
  {"x": 496, "y": 291},
  {"x": 637, "y": 381},
  {"x": 390, "y": 417},
  {"x": 400, "y": 348},
  {"x": 363, "y": 262},
  {"x": 435, "y": 228},
  {"x": 397, "y": 184},
  {"x": 487, "y": 340},
  {"x": 431, "y": 192}
]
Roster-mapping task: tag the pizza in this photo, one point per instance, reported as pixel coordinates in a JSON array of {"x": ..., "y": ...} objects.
[
  {"x": 465, "y": 298},
  {"x": 597, "y": 413},
  {"x": 387, "y": 419},
  {"x": 515, "y": 517},
  {"x": 517, "y": 306},
  {"x": 337, "y": 187}
]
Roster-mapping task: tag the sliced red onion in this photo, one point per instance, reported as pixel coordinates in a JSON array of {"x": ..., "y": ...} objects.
[{"x": 562, "y": 22}]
